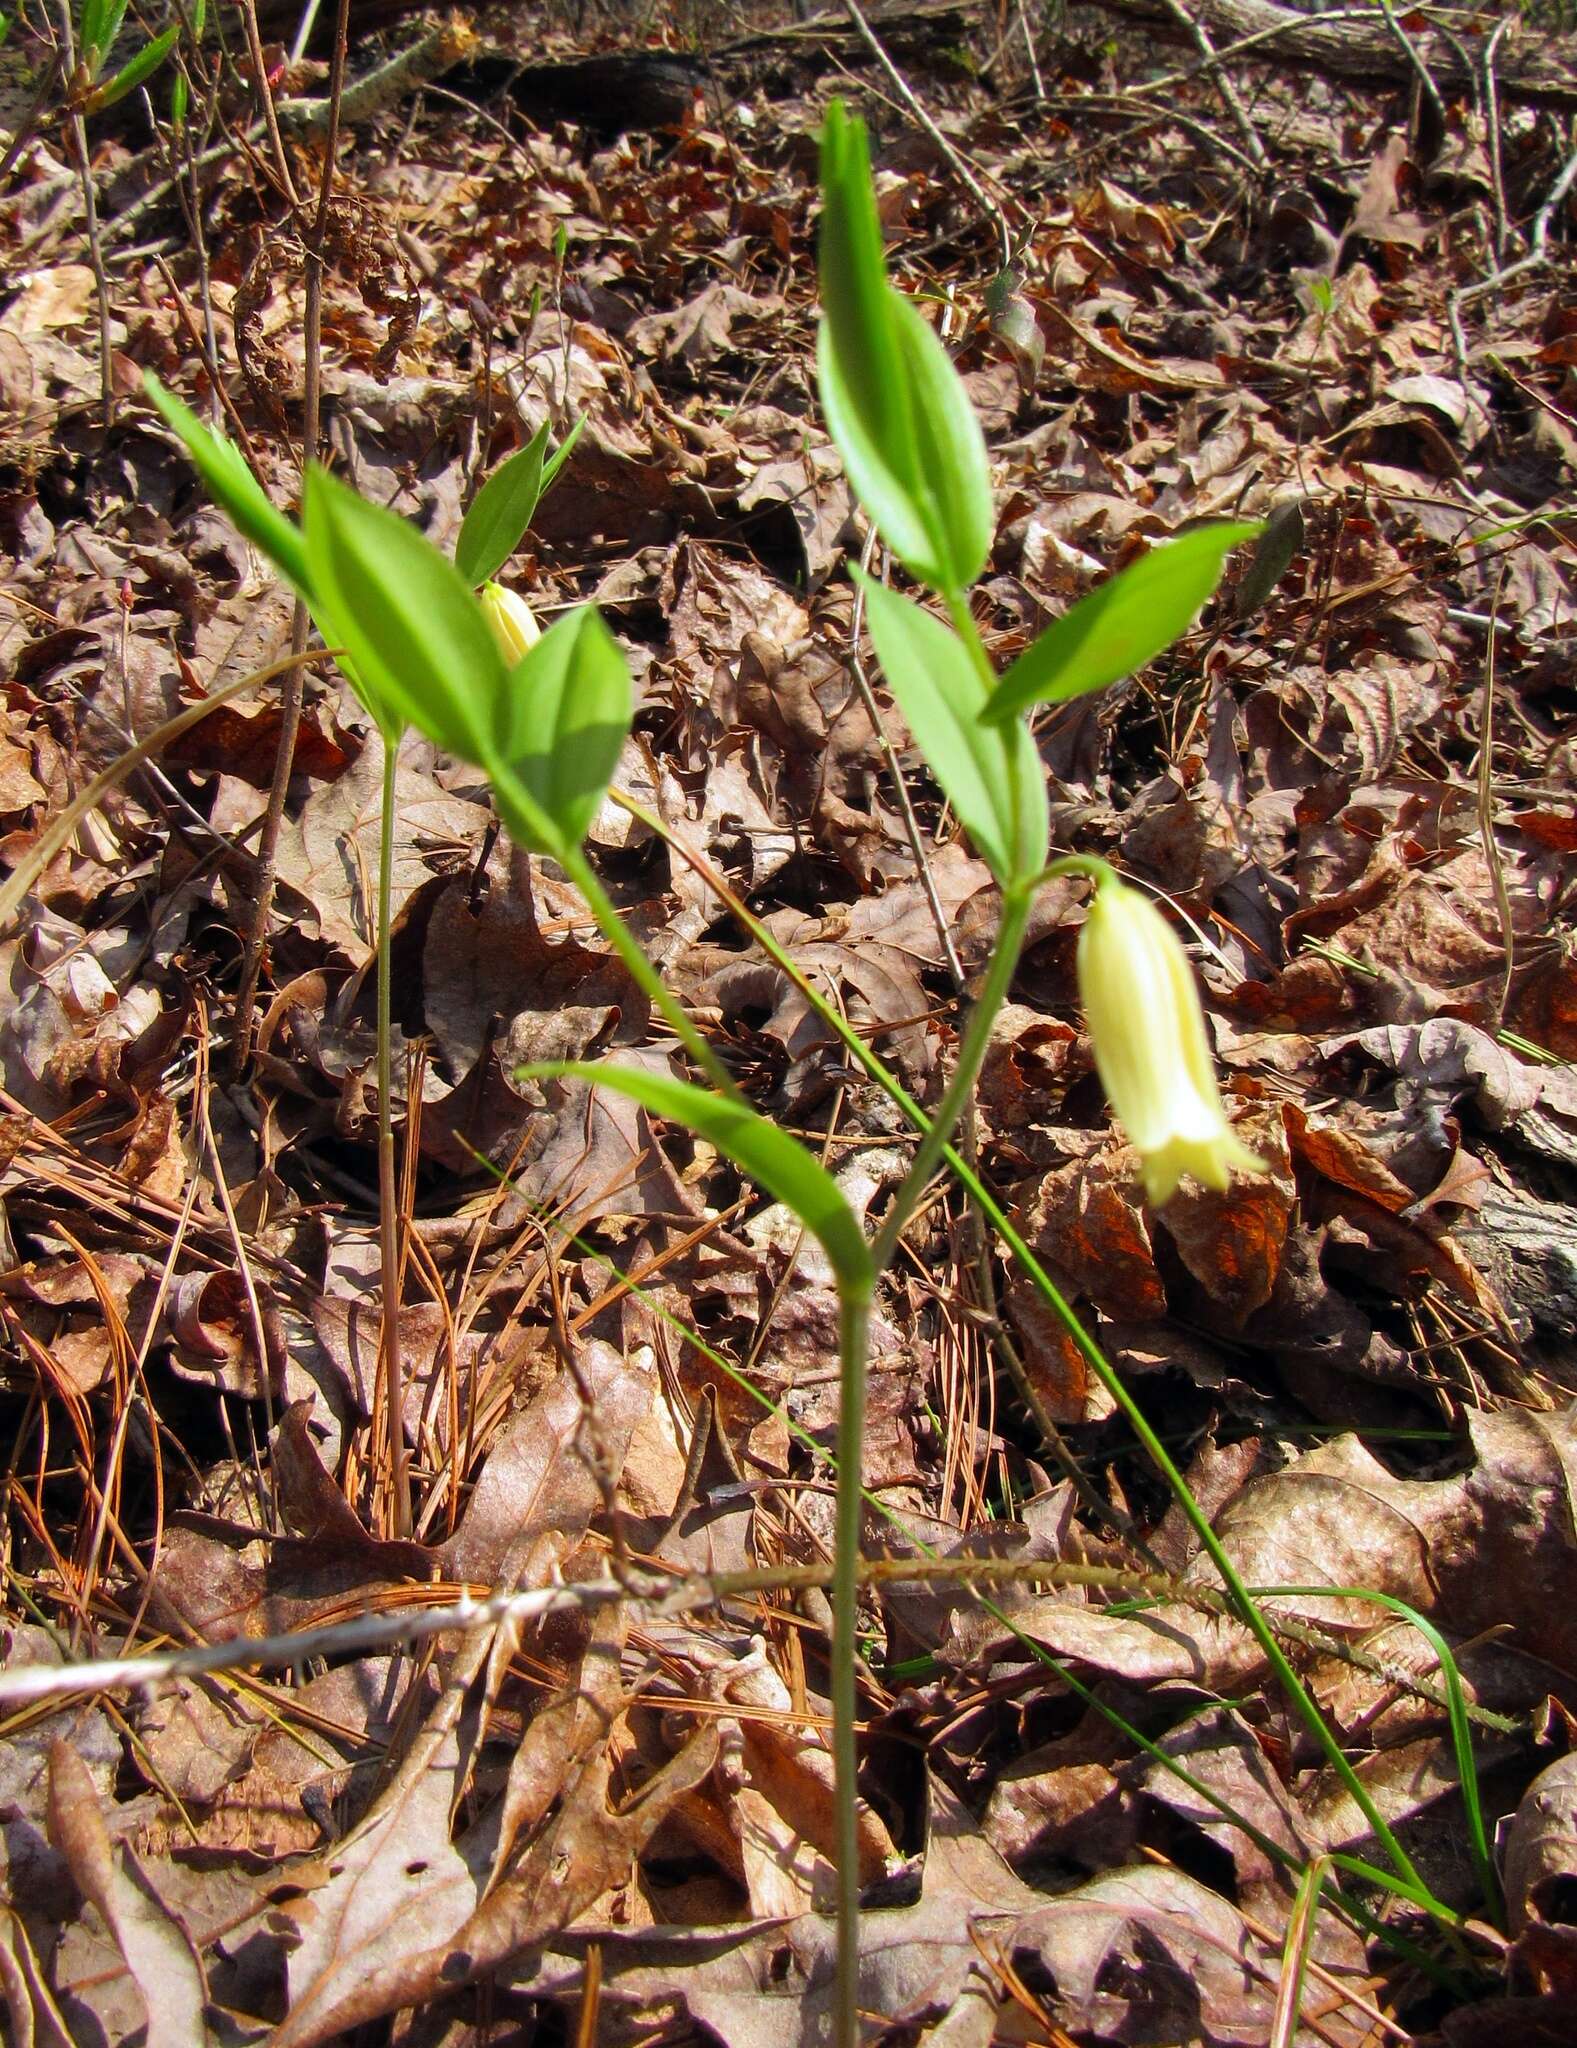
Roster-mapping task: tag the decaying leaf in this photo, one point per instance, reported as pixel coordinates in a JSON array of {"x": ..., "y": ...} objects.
[{"x": 157, "y": 1949}]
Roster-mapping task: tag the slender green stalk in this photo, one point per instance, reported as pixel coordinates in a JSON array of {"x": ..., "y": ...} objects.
[
  {"x": 882, "y": 1570},
  {"x": 1098, "y": 1363},
  {"x": 612, "y": 926},
  {"x": 937, "y": 1131},
  {"x": 854, "y": 1323},
  {"x": 853, "y": 1335},
  {"x": 388, "y": 1195},
  {"x": 1295, "y": 1950},
  {"x": 1456, "y": 1711}
]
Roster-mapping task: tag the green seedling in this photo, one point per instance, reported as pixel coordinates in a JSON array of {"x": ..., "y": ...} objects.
[
  {"x": 418, "y": 649},
  {"x": 100, "y": 25}
]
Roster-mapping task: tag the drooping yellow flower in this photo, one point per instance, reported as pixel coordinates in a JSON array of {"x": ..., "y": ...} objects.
[
  {"x": 1148, "y": 1032},
  {"x": 514, "y": 628}
]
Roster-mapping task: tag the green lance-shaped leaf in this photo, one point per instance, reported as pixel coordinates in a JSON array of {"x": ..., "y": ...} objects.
[
  {"x": 420, "y": 650},
  {"x": 130, "y": 76},
  {"x": 1127, "y": 622},
  {"x": 503, "y": 508},
  {"x": 561, "y": 454},
  {"x": 101, "y": 20},
  {"x": 236, "y": 490},
  {"x": 557, "y": 732},
  {"x": 500, "y": 512},
  {"x": 895, "y": 405},
  {"x": 992, "y": 777},
  {"x": 773, "y": 1159}
]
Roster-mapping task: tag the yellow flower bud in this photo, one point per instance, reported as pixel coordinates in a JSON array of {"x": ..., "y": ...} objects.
[
  {"x": 515, "y": 630},
  {"x": 1148, "y": 1032}
]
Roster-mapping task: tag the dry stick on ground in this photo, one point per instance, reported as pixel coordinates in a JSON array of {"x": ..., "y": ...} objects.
[
  {"x": 905, "y": 92},
  {"x": 669, "y": 1595},
  {"x": 1538, "y": 241},
  {"x": 1416, "y": 65},
  {"x": 1491, "y": 110},
  {"x": 77, "y": 128},
  {"x": 293, "y": 691},
  {"x": 1486, "y": 800},
  {"x": 1031, "y": 53},
  {"x": 1199, "y": 35},
  {"x": 1239, "y": 48},
  {"x": 298, "y": 116},
  {"x": 184, "y": 176},
  {"x": 1345, "y": 46}
]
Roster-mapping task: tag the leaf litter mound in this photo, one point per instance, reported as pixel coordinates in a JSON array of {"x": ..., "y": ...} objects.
[{"x": 1177, "y": 293}]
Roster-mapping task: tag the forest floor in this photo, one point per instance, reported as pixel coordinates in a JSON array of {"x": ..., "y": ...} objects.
[{"x": 1178, "y": 290}]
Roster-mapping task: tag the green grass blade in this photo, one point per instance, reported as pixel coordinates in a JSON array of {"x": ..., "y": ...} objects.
[
  {"x": 130, "y": 76},
  {"x": 1456, "y": 1714}
]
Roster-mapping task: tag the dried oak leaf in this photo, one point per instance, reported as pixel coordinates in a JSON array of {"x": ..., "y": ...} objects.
[
  {"x": 1539, "y": 1851},
  {"x": 1088, "y": 1222},
  {"x": 553, "y": 1464},
  {"x": 157, "y": 1949},
  {"x": 588, "y": 1847},
  {"x": 329, "y": 854},
  {"x": 383, "y": 1895},
  {"x": 1152, "y": 1955},
  {"x": 1489, "y": 1547},
  {"x": 1232, "y": 1242}
]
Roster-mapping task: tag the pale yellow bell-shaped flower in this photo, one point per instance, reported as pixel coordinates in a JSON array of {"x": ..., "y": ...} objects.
[
  {"x": 1148, "y": 1032},
  {"x": 514, "y": 628}
]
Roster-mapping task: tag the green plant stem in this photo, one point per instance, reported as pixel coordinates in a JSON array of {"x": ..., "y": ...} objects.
[
  {"x": 612, "y": 926},
  {"x": 1098, "y": 1363},
  {"x": 388, "y": 1195},
  {"x": 938, "y": 1130},
  {"x": 854, "y": 1325},
  {"x": 854, "y": 1317},
  {"x": 880, "y": 1571}
]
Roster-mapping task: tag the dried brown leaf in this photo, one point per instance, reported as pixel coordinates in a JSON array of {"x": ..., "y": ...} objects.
[{"x": 157, "y": 1949}]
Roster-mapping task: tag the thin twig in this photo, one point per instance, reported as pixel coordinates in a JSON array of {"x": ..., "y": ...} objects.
[
  {"x": 668, "y": 1595},
  {"x": 1538, "y": 239},
  {"x": 389, "y": 1260},
  {"x": 293, "y": 690},
  {"x": 1199, "y": 35},
  {"x": 269, "y": 114},
  {"x": 1416, "y": 64},
  {"x": 905, "y": 92},
  {"x": 1031, "y": 53},
  {"x": 77, "y": 128},
  {"x": 1486, "y": 801},
  {"x": 1492, "y": 136}
]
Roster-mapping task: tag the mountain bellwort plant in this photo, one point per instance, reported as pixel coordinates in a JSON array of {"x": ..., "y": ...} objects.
[{"x": 440, "y": 646}]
